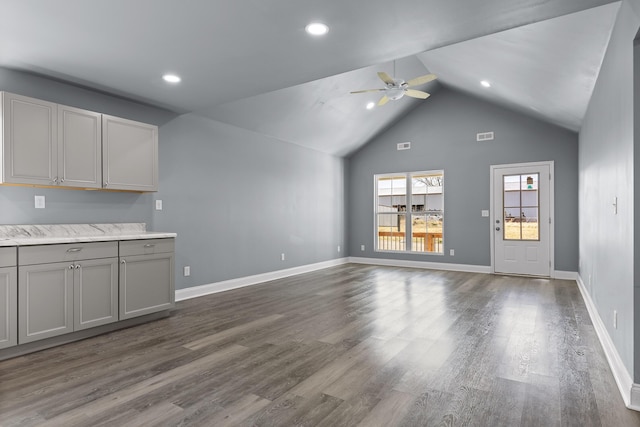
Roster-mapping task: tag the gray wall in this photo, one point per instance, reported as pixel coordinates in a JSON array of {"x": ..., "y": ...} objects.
[
  {"x": 442, "y": 132},
  {"x": 238, "y": 200},
  {"x": 75, "y": 206},
  {"x": 606, "y": 171}
]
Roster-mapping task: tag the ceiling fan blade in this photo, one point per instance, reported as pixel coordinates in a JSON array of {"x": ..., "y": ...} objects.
[
  {"x": 383, "y": 101},
  {"x": 416, "y": 94},
  {"x": 422, "y": 80},
  {"x": 368, "y": 90},
  {"x": 385, "y": 78}
]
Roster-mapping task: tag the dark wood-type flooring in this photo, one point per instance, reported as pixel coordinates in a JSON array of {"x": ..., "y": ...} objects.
[{"x": 346, "y": 346}]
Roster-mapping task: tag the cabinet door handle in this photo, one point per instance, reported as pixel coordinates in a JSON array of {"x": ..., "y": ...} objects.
[
  {"x": 55, "y": 180},
  {"x": 123, "y": 262},
  {"x": 149, "y": 245},
  {"x": 72, "y": 250},
  {"x": 77, "y": 266},
  {"x": 61, "y": 180},
  {"x": 71, "y": 267}
]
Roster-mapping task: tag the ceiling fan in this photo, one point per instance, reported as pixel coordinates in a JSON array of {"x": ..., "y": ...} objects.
[{"x": 397, "y": 88}]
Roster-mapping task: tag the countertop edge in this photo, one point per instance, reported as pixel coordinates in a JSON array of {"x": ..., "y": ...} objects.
[{"x": 31, "y": 241}]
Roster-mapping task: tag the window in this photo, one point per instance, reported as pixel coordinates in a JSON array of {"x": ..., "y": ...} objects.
[
  {"x": 521, "y": 202},
  {"x": 409, "y": 204}
]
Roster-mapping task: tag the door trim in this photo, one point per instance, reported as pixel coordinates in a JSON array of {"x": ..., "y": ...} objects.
[{"x": 492, "y": 213}]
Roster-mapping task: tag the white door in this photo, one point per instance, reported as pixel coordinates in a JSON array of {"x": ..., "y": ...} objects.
[{"x": 521, "y": 218}]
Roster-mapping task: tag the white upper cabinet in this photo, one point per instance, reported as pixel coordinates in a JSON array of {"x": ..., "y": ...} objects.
[
  {"x": 129, "y": 155},
  {"x": 79, "y": 148},
  {"x": 29, "y": 149}
]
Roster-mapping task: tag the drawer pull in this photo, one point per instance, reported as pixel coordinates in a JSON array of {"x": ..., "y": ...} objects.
[
  {"x": 149, "y": 245},
  {"x": 72, "y": 250}
]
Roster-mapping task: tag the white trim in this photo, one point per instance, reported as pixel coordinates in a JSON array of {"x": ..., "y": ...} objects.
[
  {"x": 241, "y": 282},
  {"x": 630, "y": 392},
  {"x": 552, "y": 198},
  {"x": 421, "y": 264},
  {"x": 564, "y": 275}
]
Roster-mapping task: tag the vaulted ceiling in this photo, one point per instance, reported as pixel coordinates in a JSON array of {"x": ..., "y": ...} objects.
[{"x": 251, "y": 64}]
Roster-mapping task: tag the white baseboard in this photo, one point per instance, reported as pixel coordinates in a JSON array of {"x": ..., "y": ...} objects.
[
  {"x": 630, "y": 392},
  {"x": 565, "y": 275},
  {"x": 422, "y": 264},
  {"x": 226, "y": 285}
]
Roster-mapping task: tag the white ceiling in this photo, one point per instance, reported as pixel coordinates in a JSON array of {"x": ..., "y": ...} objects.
[{"x": 249, "y": 62}]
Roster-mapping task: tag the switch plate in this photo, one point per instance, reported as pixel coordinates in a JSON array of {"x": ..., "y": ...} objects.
[
  {"x": 362, "y": 247},
  {"x": 338, "y": 248},
  {"x": 158, "y": 205},
  {"x": 452, "y": 252},
  {"x": 39, "y": 202},
  {"x": 187, "y": 270},
  {"x": 282, "y": 256},
  {"x": 485, "y": 212}
]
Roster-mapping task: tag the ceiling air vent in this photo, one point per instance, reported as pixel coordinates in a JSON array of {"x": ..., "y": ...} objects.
[
  {"x": 484, "y": 136},
  {"x": 404, "y": 146}
]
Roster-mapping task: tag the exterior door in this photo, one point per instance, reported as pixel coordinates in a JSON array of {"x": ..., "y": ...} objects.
[{"x": 521, "y": 219}]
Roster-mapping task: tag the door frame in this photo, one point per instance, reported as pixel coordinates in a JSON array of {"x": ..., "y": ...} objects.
[{"x": 492, "y": 213}]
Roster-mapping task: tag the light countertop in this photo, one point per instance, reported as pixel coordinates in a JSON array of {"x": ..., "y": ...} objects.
[{"x": 25, "y": 235}]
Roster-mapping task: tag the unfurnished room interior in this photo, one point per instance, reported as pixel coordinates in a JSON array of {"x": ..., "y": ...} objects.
[{"x": 294, "y": 213}]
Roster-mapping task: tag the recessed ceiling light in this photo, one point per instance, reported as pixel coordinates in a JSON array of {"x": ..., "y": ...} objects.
[
  {"x": 317, "y": 29},
  {"x": 171, "y": 78},
  {"x": 371, "y": 105},
  {"x": 485, "y": 83}
]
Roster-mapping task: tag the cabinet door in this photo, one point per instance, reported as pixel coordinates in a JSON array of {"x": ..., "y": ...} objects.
[
  {"x": 95, "y": 284},
  {"x": 79, "y": 147},
  {"x": 146, "y": 284},
  {"x": 129, "y": 155},
  {"x": 29, "y": 141},
  {"x": 45, "y": 301},
  {"x": 8, "y": 307}
]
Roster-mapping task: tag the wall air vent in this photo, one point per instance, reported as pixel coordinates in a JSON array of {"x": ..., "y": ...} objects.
[
  {"x": 484, "y": 136},
  {"x": 404, "y": 146}
]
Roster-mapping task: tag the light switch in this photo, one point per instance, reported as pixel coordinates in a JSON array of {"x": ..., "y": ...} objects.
[
  {"x": 39, "y": 201},
  {"x": 158, "y": 205},
  {"x": 485, "y": 212}
]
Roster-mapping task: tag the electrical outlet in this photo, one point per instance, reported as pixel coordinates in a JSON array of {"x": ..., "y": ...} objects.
[
  {"x": 158, "y": 205},
  {"x": 187, "y": 270},
  {"x": 39, "y": 202},
  {"x": 615, "y": 319},
  {"x": 362, "y": 248},
  {"x": 338, "y": 248},
  {"x": 452, "y": 252},
  {"x": 282, "y": 256}
]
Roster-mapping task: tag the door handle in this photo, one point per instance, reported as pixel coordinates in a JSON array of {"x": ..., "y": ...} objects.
[
  {"x": 497, "y": 228},
  {"x": 71, "y": 250},
  {"x": 149, "y": 245}
]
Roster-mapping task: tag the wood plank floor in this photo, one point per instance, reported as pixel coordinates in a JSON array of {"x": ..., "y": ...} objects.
[{"x": 346, "y": 346}]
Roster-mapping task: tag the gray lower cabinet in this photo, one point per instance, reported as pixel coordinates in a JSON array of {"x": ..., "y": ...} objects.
[
  {"x": 8, "y": 298},
  {"x": 45, "y": 301},
  {"x": 146, "y": 277},
  {"x": 95, "y": 292},
  {"x": 65, "y": 288}
]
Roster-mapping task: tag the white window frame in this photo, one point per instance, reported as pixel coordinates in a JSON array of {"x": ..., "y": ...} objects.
[{"x": 408, "y": 212}]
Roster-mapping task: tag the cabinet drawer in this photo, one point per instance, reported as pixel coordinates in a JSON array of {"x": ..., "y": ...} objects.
[
  {"x": 8, "y": 257},
  {"x": 43, "y": 254},
  {"x": 146, "y": 246}
]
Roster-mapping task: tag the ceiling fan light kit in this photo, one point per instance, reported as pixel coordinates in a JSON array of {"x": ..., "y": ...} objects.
[{"x": 397, "y": 88}]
